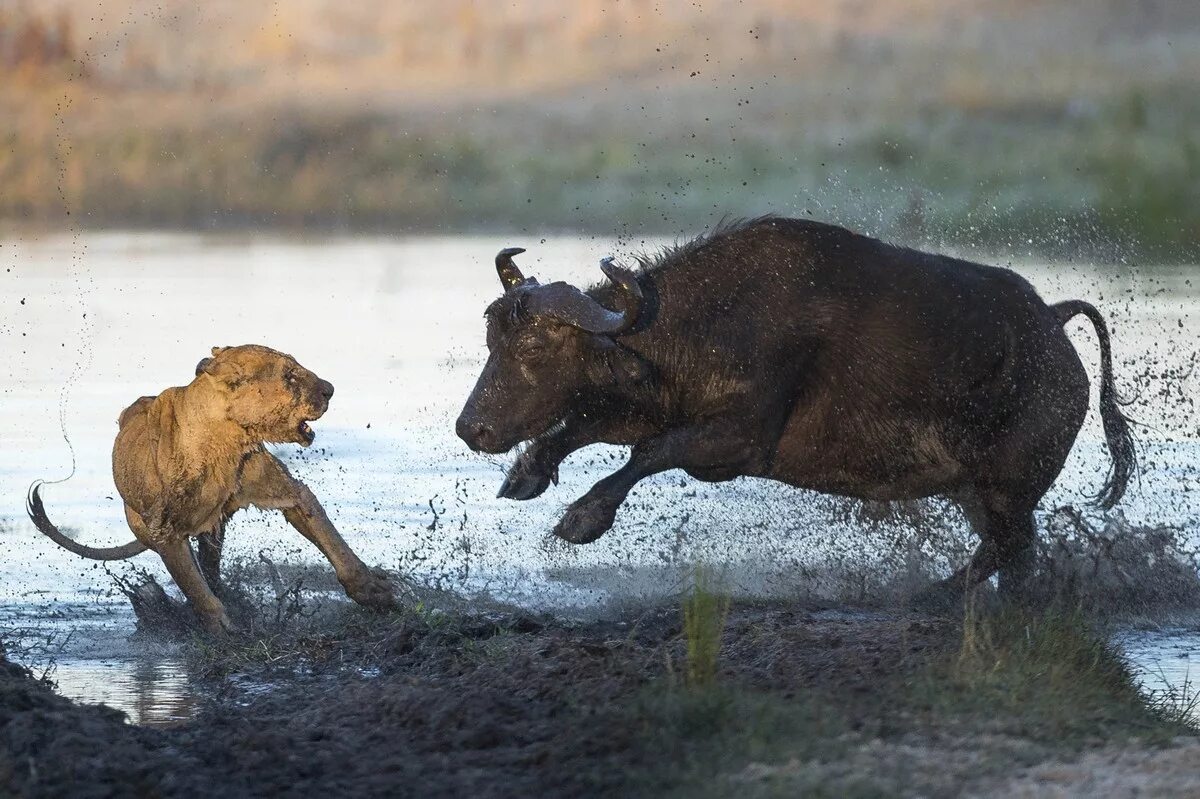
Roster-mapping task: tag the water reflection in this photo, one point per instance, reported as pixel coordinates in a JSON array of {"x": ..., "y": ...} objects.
[{"x": 151, "y": 691}]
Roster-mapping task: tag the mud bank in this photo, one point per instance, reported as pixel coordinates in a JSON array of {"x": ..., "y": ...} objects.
[{"x": 443, "y": 703}]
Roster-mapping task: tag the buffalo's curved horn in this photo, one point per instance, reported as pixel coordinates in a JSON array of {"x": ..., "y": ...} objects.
[
  {"x": 631, "y": 291},
  {"x": 568, "y": 304},
  {"x": 510, "y": 275}
]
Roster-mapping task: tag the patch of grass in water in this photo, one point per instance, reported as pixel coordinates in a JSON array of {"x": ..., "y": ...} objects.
[
  {"x": 1046, "y": 676},
  {"x": 1176, "y": 703},
  {"x": 1011, "y": 687}
]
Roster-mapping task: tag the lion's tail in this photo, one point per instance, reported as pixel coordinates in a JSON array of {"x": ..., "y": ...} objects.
[{"x": 37, "y": 515}]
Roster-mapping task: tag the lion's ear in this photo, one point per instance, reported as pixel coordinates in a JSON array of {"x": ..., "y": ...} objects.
[
  {"x": 227, "y": 371},
  {"x": 218, "y": 350}
]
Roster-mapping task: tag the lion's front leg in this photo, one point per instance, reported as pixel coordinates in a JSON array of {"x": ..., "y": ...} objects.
[
  {"x": 177, "y": 556},
  {"x": 267, "y": 483},
  {"x": 364, "y": 586}
]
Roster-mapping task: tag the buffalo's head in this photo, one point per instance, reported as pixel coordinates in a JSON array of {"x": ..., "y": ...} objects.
[{"x": 548, "y": 346}]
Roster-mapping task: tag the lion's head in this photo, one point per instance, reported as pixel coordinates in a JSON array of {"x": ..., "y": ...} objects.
[{"x": 268, "y": 393}]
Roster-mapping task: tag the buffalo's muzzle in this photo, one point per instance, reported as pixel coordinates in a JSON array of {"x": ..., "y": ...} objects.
[{"x": 478, "y": 435}]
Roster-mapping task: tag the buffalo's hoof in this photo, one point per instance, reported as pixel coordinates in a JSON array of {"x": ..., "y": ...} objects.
[
  {"x": 527, "y": 479},
  {"x": 372, "y": 591},
  {"x": 585, "y": 521}
]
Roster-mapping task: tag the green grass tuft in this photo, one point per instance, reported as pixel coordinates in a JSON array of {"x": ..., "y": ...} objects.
[
  {"x": 1046, "y": 676},
  {"x": 704, "y": 614}
]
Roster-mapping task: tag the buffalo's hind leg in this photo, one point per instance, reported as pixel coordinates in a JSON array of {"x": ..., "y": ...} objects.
[
  {"x": 1006, "y": 545},
  {"x": 1018, "y": 554}
]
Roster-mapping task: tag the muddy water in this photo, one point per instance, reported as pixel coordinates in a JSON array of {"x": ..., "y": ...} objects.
[{"x": 92, "y": 322}]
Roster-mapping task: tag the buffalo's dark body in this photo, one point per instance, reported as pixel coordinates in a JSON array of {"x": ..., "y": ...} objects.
[{"x": 804, "y": 353}]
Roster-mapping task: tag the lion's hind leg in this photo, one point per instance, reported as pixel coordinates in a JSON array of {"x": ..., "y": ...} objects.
[
  {"x": 209, "y": 548},
  {"x": 176, "y": 554}
]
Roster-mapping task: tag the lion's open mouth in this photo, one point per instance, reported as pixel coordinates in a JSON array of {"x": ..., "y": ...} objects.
[{"x": 306, "y": 433}]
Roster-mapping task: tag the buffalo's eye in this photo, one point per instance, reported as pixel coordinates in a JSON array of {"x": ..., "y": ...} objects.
[{"x": 530, "y": 349}]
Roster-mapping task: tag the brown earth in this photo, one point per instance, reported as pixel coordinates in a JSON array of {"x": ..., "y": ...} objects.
[{"x": 434, "y": 704}]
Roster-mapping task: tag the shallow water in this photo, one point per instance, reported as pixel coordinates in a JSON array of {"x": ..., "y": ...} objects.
[
  {"x": 92, "y": 322},
  {"x": 1163, "y": 662}
]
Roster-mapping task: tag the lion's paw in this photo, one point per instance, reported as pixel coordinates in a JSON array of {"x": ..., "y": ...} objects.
[
  {"x": 372, "y": 591},
  {"x": 215, "y": 622}
]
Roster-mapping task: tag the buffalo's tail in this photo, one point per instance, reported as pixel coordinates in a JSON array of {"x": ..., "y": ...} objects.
[
  {"x": 37, "y": 515},
  {"x": 1121, "y": 444}
]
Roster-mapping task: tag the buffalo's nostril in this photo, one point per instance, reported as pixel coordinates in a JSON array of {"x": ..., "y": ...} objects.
[
  {"x": 475, "y": 433},
  {"x": 326, "y": 389}
]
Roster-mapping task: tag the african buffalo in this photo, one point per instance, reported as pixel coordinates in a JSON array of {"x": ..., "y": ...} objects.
[{"x": 805, "y": 353}]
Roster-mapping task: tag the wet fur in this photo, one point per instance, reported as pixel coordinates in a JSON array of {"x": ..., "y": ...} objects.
[
  {"x": 805, "y": 353},
  {"x": 186, "y": 460}
]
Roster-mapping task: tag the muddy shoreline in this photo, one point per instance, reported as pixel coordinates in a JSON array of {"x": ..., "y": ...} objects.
[{"x": 449, "y": 702}]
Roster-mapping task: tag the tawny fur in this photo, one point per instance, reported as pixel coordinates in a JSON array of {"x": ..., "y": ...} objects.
[{"x": 188, "y": 459}]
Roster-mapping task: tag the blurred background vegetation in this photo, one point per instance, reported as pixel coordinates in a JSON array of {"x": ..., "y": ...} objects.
[{"x": 1061, "y": 127}]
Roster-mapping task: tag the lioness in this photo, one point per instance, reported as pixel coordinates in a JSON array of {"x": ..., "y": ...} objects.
[{"x": 186, "y": 460}]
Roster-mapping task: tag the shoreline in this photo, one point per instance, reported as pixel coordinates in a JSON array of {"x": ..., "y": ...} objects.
[{"x": 498, "y": 703}]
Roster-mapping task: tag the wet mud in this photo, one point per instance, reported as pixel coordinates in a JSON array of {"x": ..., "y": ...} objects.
[
  {"x": 458, "y": 696},
  {"x": 467, "y": 696},
  {"x": 450, "y": 702},
  {"x": 501, "y": 705}
]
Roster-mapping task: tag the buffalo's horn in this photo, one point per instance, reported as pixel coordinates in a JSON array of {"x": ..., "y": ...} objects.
[
  {"x": 631, "y": 291},
  {"x": 568, "y": 304},
  {"x": 510, "y": 275}
]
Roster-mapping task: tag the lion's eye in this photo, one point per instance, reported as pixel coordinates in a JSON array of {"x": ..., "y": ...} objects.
[{"x": 291, "y": 378}]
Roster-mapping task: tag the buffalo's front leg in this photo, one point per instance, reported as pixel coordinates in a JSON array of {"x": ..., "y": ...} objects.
[
  {"x": 537, "y": 466},
  {"x": 532, "y": 472},
  {"x": 701, "y": 449}
]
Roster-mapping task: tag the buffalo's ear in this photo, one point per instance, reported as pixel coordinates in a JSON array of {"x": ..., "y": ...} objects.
[{"x": 615, "y": 366}]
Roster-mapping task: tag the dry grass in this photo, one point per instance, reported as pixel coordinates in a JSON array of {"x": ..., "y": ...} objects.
[{"x": 1044, "y": 132}]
